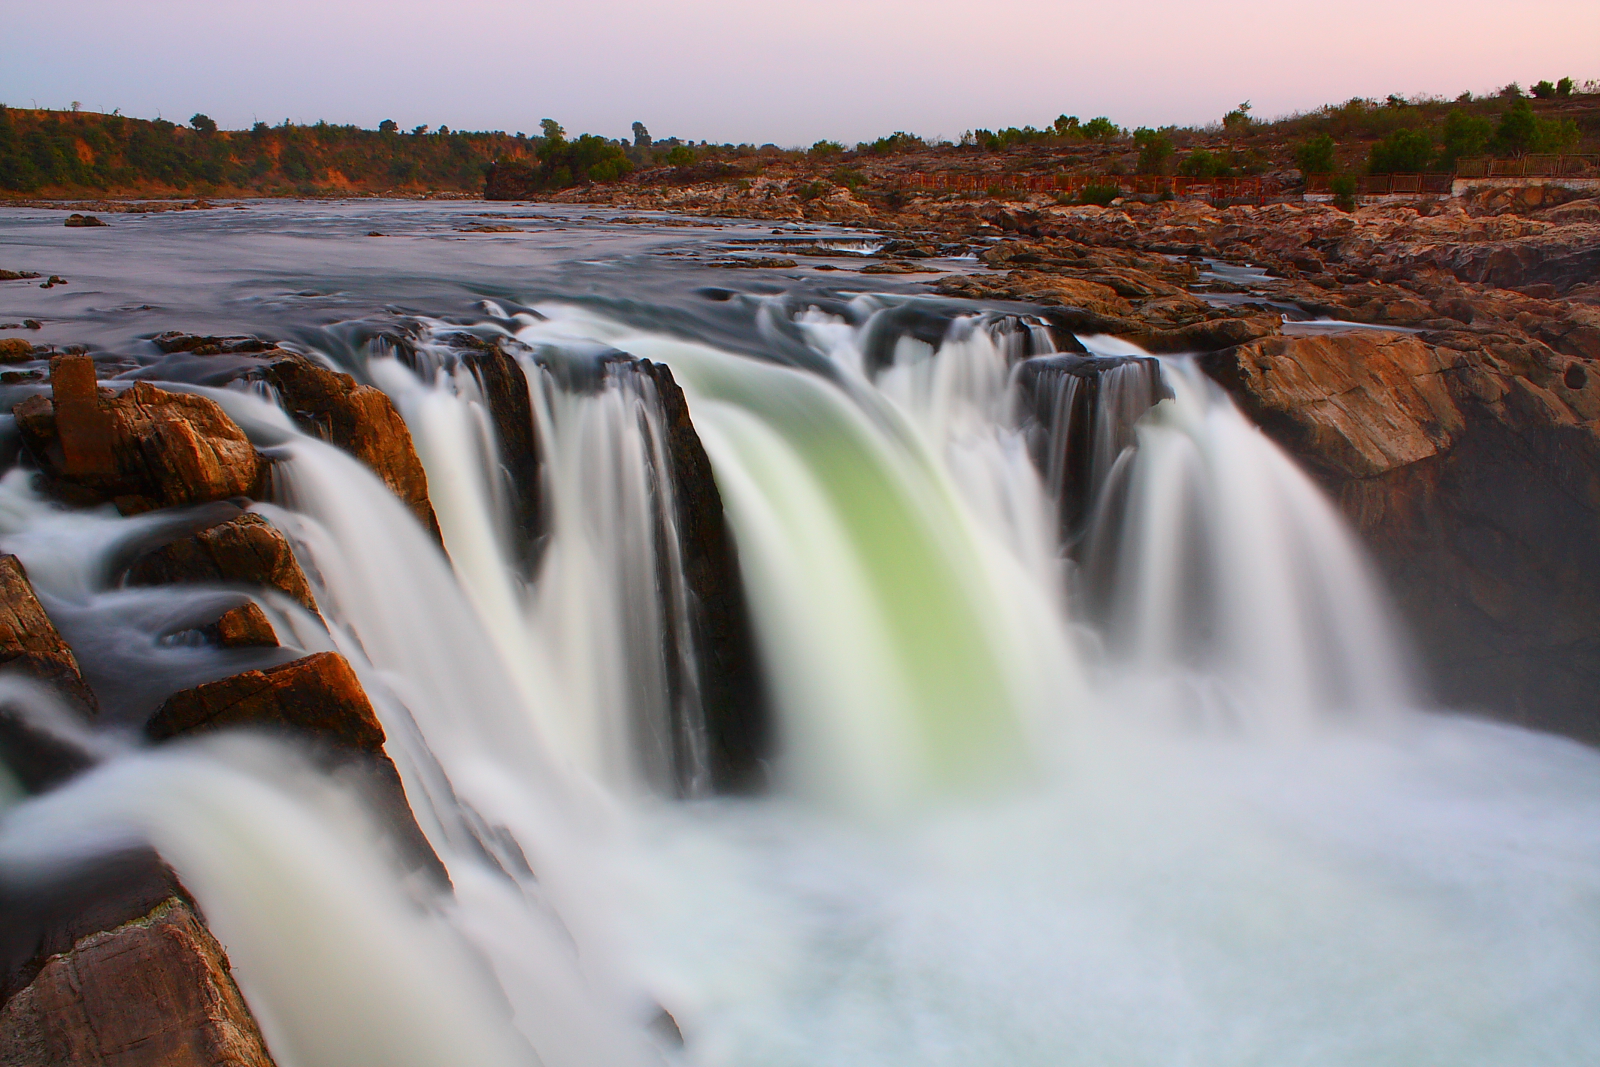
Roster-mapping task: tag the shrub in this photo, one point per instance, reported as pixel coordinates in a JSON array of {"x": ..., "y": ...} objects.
[
  {"x": 1316, "y": 156},
  {"x": 895, "y": 143},
  {"x": 204, "y": 123},
  {"x": 850, "y": 179},
  {"x": 826, "y": 149},
  {"x": 1238, "y": 120},
  {"x": 1564, "y": 88},
  {"x": 1204, "y": 164},
  {"x": 680, "y": 156},
  {"x": 1520, "y": 131},
  {"x": 1099, "y": 193},
  {"x": 1465, "y": 134},
  {"x": 1101, "y": 128},
  {"x": 1067, "y": 126},
  {"x": 1344, "y": 189},
  {"x": 1155, "y": 148},
  {"x": 1402, "y": 152},
  {"x": 1544, "y": 89}
]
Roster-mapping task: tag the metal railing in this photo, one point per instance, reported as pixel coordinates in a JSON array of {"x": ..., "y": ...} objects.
[
  {"x": 1385, "y": 184},
  {"x": 1248, "y": 189},
  {"x": 1531, "y": 166}
]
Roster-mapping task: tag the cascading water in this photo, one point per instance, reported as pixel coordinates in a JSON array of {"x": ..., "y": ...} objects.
[{"x": 1126, "y": 780}]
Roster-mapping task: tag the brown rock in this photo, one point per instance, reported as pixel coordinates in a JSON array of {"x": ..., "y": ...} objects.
[
  {"x": 247, "y": 549},
  {"x": 153, "y": 992},
  {"x": 29, "y": 642},
  {"x": 245, "y": 626},
  {"x": 15, "y": 350},
  {"x": 144, "y": 448},
  {"x": 318, "y": 695},
  {"x": 359, "y": 419}
]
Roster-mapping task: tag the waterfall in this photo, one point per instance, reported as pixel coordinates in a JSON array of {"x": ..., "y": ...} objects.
[{"x": 1095, "y": 739}]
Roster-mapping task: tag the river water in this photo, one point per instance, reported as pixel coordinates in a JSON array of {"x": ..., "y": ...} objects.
[{"x": 1146, "y": 778}]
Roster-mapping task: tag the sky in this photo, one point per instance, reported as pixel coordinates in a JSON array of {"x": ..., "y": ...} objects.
[{"x": 788, "y": 73}]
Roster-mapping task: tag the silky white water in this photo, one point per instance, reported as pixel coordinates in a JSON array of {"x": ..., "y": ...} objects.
[{"x": 1167, "y": 803}]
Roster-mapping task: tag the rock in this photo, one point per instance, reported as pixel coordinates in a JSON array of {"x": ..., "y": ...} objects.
[
  {"x": 1473, "y": 473},
  {"x": 510, "y": 179},
  {"x": 29, "y": 642},
  {"x": 178, "y": 341},
  {"x": 245, "y": 626},
  {"x": 76, "y": 219},
  {"x": 733, "y": 701},
  {"x": 505, "y": 392},
  {"x": 15, "y": 350},
  {"x": 144, "y": 448},
  {"x": 317, "y": 697},
  {"x": 155, "y": 991},
  {"x": 17, "y": 275},
  {"x": 246, "y": 549},
  {"x": 360, "y": 420}
]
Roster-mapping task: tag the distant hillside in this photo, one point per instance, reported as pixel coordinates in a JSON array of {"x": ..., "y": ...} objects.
[{"x": 45, "y": 153}]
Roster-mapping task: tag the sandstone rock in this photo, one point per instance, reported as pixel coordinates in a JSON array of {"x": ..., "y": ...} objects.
[
  {"x": 1475, "y": 480},
  {"x": 317, "y": 695},
  {"x": 246, "y": 549},
  {"x": 245, "y": 626},
  {"x": 154, "y": 991},
  {"x": 358, "y": 419},
  {"x": 505, "y": 392},
  {"x": 29, "y": 642},
  {"x": 76, "y": 219},
  {"x": 15, "y": 350},
  {"x": 143, "y": 448}
]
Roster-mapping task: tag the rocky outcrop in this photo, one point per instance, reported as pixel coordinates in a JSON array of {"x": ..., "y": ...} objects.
[
  {"x": 141, "y": 449},
  {"x": 155, "y": 991},
  {"x": 245, "y": 626},
  {"x": 318, "y": 698},
  {"x": 357, "y": 418},
  {"x": 1472, "y": 470},
  {"x": 29, "y": 642},
  {"x": 511, "y": 180},
  {"x": 246, "y": 549},
  {"x": 732, "y": 697}
]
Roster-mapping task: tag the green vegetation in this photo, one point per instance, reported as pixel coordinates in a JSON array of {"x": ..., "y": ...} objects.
[
  {"x": 1155, "y": 148},
  {"x": 1402, "y": 152},
  {"x": 1099, "y": 193},
  {"x": 1317, "y": 155},
  {"x": 1101, "y": 129},
  {"x": 894, "y": 144},
  {"x": 1521, "y": 131},
  {"x": 1465, "y": 135}
]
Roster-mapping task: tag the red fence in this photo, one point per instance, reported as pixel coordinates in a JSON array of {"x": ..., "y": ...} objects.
[
  {"x": 1216, "y": 189},
  {"x": 1533, "y": 166},
  {"x": 1385, "y": 184}
]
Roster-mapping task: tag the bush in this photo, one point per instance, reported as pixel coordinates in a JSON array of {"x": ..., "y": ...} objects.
[
  {"x": 1343, "y": 189},
  {"x": 1098, "y": 193},
  {"x": 1522, "y": 131},
  {"x": 1101, "y": 128},
  {"x": 1155, "y": 148},
  {"x": 1402, "y": 152},
  {"x": 1067, "y": 126},
  {"x": 1564, "y": 88},
  {"x": 680, "y": 156},
  {"x": 895, "y": 143},
  {"x": 204, "y": 124},
  {"x": 1204, "y": 164},
  {"x": 1544, "y": 90},
  {"x": 1238, "y": 120},
  {"x": 1465, "y": 135},
  {"x": 1316, "y": 156},
  {"x": 826, "y": 149}
]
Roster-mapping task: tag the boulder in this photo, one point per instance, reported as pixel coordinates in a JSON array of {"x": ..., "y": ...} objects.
[
  {"x": 76, "y": 220},
  {"x": 245, "y": 626},
  {"x": 142, "y": 449},
  {"x": 246, "y": 549},
  {"x": 15, "y": 350},
  {"x": 317, "y": 697},
  {"x": 1472, "y": 471},
  {"x": 29, "y": 641},
  {"x": 360, "y": 420},
  {"x": 155, "y": 991}
]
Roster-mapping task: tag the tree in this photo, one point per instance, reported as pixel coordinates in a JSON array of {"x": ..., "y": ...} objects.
[
  {"x": 1544, "y": 90},
  {"x": 1100, "y": 128},
  {"x": 680, "y": 156},
  {"x": 1155, "y": 148},
  {"x": 824, "y": 149},
  {"x": 1316, "y": 156},
  {"x": 388, "y": 126},
  {"x": 1564, "y": 88},
  {"x": 1402, "y": 152},
  {"x": 641, "y": 136},
  {"x": 203, "y": 123},
  {"x": 1238, "y": 120},
  {"x": 1203, "y": 164},
  {"x": 1067, "y": 126},
  {"x": 552, "y": 130},
  {"x": 1465, "y": 135},
  {"x": 1521, "y": 131}
]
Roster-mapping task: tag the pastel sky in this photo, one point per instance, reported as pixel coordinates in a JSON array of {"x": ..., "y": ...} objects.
[{"x": 731, "y": 70}]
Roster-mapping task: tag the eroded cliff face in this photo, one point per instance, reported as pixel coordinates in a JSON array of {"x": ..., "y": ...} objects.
[{"x": 1472, "y": 471}]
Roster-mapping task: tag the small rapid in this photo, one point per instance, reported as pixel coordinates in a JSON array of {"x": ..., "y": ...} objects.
[{"x": 1092, "y": 737}]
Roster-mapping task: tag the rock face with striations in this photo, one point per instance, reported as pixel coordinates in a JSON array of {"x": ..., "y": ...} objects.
[
  {"x": 1472, "y": 469},
  {"x": 360, "y": 420},
  {"x": 246, "y": 549},
  {"x": 142, "y": 449},
  {"x": 29, "y": 642},
  {"x": 155, "y": 991}
]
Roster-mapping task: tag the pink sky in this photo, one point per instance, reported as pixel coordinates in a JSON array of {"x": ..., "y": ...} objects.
[{"x": 725, "y": 70}]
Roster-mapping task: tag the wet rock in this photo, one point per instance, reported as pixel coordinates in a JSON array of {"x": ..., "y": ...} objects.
[
  {"x": 245, "y": 626},
  {"x": 732, "y": 696},
  {"x": 17, "y": 275},
  {"x": 246, "y": 549},
  {"x": 29, "y": 641},
  {"x": 203, "y": 345},
  {"x": 15, "y": 350},
  {"x": 319, "y": 698},
  {"x": 360, "y": 420},
  {"x": 143, "y": 448},
  {"x": 317, "y": 695},
  {"x": 76, "y": 219},
  {"x": 156, "y": 990},
  {"x": 1472, "y": 470},
  {"x": 505, "y": 393}
]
